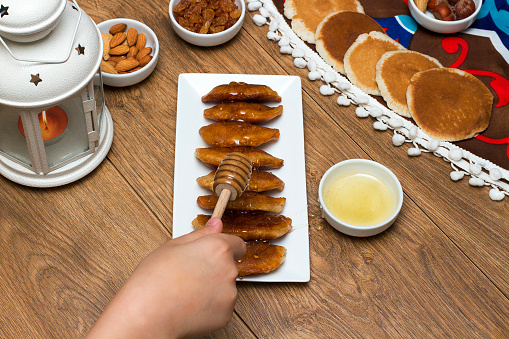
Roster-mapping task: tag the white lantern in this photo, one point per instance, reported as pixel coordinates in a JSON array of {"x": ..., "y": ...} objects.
[{"x": 54, "y": 126}]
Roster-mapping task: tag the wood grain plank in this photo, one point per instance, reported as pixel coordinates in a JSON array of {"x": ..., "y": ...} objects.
[
  {"x": 439, "y": 271},
  {"x": 235, "y": 329}
]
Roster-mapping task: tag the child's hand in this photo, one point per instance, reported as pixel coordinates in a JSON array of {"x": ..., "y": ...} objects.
[{"x": 184, "y": 288}]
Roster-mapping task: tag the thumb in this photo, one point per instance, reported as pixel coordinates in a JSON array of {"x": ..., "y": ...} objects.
[{"x": 214, "y": 225}]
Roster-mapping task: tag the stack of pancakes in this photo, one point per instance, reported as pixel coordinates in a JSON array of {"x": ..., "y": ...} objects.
[
  {"x": 306, "y": 15},
  {"x": 363, "y": 55},
  {"x": 338, "y": 31},
  {"x": 393, "y": 73},
  {"x": 355, "y": 45}
]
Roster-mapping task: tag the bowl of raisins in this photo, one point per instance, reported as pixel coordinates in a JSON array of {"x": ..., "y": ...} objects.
[{"x": 207, "y": 22}]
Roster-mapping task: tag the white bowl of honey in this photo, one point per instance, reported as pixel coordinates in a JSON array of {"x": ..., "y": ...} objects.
[{"x": 360, "y": 197}]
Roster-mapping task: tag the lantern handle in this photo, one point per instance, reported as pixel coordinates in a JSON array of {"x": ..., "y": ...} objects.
[{"x": 58, "y": 61}]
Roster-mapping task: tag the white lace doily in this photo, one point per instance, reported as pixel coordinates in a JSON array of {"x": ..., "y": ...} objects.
[{"x": 481, "y": 172}]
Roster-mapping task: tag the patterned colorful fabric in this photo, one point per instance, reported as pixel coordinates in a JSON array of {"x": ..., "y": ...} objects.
[{"x": 481, "y": 50}]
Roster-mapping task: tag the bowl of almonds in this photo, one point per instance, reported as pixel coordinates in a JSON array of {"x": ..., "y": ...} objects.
[{"x": 130, "y": 52}]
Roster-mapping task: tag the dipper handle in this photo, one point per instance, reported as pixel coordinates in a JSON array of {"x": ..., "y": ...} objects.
[{"x": 230, "y": 180}]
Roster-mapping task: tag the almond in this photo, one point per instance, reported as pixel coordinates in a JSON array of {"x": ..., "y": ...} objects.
[
  {"x": 117, "y": 28},
  {"x": 106, "y": 45},
  {"x": 145, "y": 60},
  {"x": 120, "y": 50},
  {"x": 112, "y": 63},
  {"x": 132, "y": 36},
  {"x": 117, "y": 58},
  {"x": 107, "y": 68},
  {"x": 118, "y": 39},
  {"x": 135, "y": 69},
  {"x": 126, "y": 65},
  {"x": 421, "y": 5},
  {"x": 132, "y": 52},
  {"x": 140, "y": 43},
  {"x": 143, "y": 52}
]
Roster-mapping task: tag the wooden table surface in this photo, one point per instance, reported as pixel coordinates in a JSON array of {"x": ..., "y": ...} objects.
[{"x": 440, "y": 271}]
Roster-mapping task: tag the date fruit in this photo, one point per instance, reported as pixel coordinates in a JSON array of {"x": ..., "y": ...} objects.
[
  {"x": 444, "y": 12},
  {"x": 464, "y": 9}
]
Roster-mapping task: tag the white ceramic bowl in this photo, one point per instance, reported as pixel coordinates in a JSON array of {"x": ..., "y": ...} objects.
[
  {"x": 207, "y": 39},
  {"x": 427, "y": 20},
  {"x": 123, "y": 80},
  {"x": 355, "y": 166}
]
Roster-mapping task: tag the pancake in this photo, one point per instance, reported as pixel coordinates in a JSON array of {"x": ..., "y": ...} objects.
[
  {"x": 449, "y": 104},
  {"x": 338, "y": 31},
  {"x": 393, "y": 73},
  {"x": 306, "y": 15},
  {"x": 362, "y": 56}
]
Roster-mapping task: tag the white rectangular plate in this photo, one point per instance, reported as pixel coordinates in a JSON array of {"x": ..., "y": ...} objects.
[{"x": 289, "y": 147}]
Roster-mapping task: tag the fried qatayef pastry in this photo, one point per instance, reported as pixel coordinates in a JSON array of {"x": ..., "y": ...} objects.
[
  {"x": 449, "y": 104},
  {"x": 306, "y": 15},
  {"x": 251, "y": 112},
  {"x": 250, "y": 226},
  {"x": 260, "y": 182},
  {"x": 247, "y": 202},
  {"x": 212, "y": 156},
  {"x": 260, "y": 257},
  {"x": 237, "y": 133},
  {"x": 241, "y": 91},
  {"x": 338, "y": 31},
  {"x": 393, "y": 73},
  {"x": 362, "y": 56}
]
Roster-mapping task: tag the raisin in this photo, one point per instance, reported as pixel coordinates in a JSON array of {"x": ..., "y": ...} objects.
[{"x": 235, "y": 14}]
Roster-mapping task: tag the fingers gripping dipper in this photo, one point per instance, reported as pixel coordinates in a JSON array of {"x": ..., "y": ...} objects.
[{"x": 231, "y": 179}]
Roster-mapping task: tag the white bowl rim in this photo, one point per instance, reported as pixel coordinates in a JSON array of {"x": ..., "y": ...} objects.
[
  {"x": 155, "y": 51},
  {"x": 369, "y": 163},
  {"x": 455, "y": 22},
  {"x": 205, "y": 36}
]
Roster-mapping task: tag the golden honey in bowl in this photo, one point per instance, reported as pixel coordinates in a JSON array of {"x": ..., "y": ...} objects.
[{"x": 359, "y": 199}]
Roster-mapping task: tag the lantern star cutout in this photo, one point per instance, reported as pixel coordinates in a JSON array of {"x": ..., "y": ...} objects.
[
  {"x": 80, "y": 49},
  {"x": 35, "y": 79},
  {"x": 3, "y": 10}
]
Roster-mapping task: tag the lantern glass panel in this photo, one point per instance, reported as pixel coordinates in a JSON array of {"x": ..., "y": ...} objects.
[
  {"x": 99, "y": 97},
  {"x": 74, "y": 140},
  {"x": 12, "y": 143}
]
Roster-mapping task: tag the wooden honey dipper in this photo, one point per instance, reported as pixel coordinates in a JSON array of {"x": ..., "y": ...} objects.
[{"x": 230, "y": 180}]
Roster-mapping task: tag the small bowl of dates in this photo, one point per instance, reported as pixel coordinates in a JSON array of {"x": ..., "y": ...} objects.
[
  {"x": 207, "y": 22},
  {"x": 130, "y": 52},
  {"x": 445, "y": 16}
]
